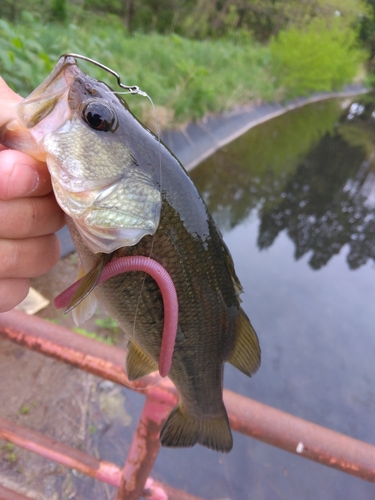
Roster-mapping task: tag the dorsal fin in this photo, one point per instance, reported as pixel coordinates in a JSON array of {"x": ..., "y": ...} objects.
[{"x": 246, "y": 352}]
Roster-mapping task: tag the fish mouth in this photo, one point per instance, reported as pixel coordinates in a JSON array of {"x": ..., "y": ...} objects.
[
  {"x": 33, "y": 116},
  {"x": 32, "y": 110}
]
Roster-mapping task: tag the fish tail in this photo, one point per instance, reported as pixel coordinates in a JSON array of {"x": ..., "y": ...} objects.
[{"x": 183, "y": 430}]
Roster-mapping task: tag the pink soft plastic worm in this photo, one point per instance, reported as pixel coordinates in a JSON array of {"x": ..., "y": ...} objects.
[{"x": 168, "y": 291}]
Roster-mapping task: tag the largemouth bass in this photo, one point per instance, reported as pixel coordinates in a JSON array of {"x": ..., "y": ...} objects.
[{"x": 125, "y": 194}]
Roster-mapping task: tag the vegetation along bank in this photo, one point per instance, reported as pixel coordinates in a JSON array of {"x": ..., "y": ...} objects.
[{"x": 194, "y": 57}]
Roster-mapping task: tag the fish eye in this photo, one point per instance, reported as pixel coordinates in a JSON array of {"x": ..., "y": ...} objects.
[{"x": 99, "y": 116}]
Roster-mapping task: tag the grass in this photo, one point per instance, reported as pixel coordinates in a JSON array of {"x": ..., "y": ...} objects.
[
  {"x": 10, "y": 453},
  {"x": 185, "y": 78},
  {"x": 105, "y": 323},
  {"x": 108, "y": 323},
  {"x": 110, "y": 339},
  {"x": 24, "y": 410}
]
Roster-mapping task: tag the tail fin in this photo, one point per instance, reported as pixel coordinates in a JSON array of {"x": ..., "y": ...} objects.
[{"x": 183, "y": 430}]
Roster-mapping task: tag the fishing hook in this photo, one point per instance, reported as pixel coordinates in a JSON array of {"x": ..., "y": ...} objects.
[{"x": 133, "y": 89}]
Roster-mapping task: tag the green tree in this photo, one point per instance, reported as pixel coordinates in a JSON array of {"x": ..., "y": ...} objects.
[
  {"x": 58, "y": 10},
  {"x": 322, "y": 57},
  {"x": 367, "y": 30},
  {"x": 11, "y": 10},
  {"x": 265, "y": 18},
  {"x": 200, "y": 18}
]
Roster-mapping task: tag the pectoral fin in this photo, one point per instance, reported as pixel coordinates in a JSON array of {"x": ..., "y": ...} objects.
[
  {"x": 246, "y": 353},
  {"x": 88, "y": 282},
  {"x": 138, "y": 364},
  {"x": 85, "y": 309}
]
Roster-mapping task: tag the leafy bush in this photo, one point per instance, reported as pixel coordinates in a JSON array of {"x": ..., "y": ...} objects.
[
  {"x": 185, "y": 77},
  {"x": 319, "y": 58},
  {"x": 21, "y": 61}
]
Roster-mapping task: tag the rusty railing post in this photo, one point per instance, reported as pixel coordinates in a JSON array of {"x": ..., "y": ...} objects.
[{"x": 143, "y": 450}]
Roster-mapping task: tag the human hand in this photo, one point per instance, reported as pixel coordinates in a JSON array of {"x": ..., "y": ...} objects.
[{"x": 29, "y": 216}]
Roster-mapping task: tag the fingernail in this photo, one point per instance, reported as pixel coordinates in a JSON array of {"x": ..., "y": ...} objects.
[{"x": 23, "y": 180}]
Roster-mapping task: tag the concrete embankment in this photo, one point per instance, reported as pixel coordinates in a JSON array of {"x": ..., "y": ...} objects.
[{"x": 200, "y": 140}]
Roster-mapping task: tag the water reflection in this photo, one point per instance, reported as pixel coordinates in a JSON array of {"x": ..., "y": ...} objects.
[
  {"x": 322, "y": 207},
  {"x": 310, "y": 173}
]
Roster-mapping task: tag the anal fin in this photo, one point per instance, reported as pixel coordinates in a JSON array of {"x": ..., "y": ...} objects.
[
  {"x": 85, "y": 309},
  {"x": 246, "y": 352},
  {"x": 138, "y": 364}
]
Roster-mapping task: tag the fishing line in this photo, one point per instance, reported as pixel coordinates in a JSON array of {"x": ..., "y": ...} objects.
[
  {"x": 144, "y": 94},
  {"x": 160, "y": 181},
  {"x": 136, "y": 90},
  {"x": 130, "y": 89}
]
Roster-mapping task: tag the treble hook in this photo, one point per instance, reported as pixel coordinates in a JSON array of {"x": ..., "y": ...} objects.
[{"x": 133, "y": 89}]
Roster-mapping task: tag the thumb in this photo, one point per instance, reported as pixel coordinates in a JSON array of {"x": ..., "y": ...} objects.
[{"x": 8, "y": 103}]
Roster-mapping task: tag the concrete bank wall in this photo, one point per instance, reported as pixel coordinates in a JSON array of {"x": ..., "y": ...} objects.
[{"x": 200, "y": 140}]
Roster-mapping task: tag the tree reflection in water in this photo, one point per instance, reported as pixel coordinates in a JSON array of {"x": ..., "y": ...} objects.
[
  {"x": 309, "y": 172},
  {"x": 323, "y": 206}
]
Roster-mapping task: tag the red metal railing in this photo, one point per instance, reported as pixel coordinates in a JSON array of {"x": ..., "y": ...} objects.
[{"x": 247, "y": 416}]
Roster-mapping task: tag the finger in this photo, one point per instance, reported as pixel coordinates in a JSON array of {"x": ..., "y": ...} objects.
[
  {"x": 21, "y": 175},
  {"x": 30, "y": 217},
  {"x": 30, "y": 257},
  {"x": 9, "y": 101},
  {"x": 8, "y": 109},
  {"x": 12, "y": 292}
]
